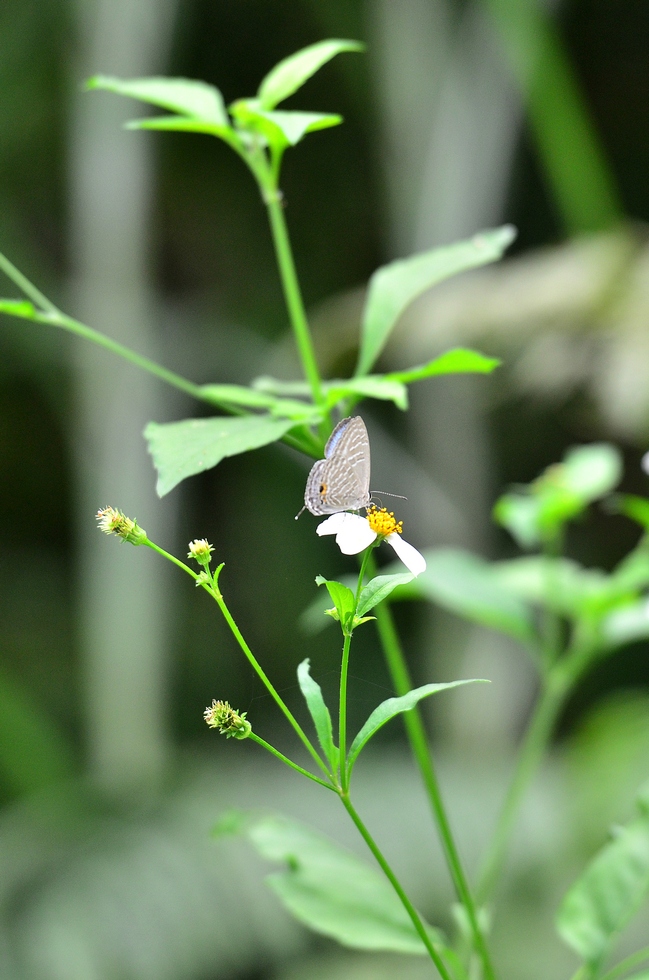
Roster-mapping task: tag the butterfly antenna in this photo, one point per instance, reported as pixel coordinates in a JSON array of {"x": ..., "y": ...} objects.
[
  {"x": 386, "y": 494},
  {"x": 301, "y": 512}
]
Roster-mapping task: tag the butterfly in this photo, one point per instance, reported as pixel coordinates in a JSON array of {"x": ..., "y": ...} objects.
[{"x": 341, "y": 481}]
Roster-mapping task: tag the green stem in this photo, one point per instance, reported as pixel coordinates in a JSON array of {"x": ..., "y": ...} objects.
[
  {"x": 28, "y": 288},
  {"x": 627, "y": 964},
  {"x": 344, "y": 669},
  {"x": 392, "y": 878},
  {"x": 293, "y": 765},
  {"x": 227, "y": 615},
  {"x": 419, "y": 745},
  {"x": 293, "y": 297}
]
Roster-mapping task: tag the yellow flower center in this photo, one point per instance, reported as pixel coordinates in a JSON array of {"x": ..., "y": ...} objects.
[{"x": 383, "y": 522}]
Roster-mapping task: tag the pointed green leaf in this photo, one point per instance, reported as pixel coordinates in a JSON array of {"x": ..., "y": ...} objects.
[
  {"x": 460, "y": 360},
  {"x": 370, "y": 386},
  {"x": 332, "y": 891},
  {"x": 318, "y": 710},
  {"x": 608, "y": 894},
  {"x": 379, "y": 589},
  {"x": 181, "y": 449},
  {"x": 291, "y": 73},
  {"x": 394, "y": 287},
  {"x": 183, "y": 95},
  {"x": 467, "y": 585},
  {"x": 240, "y": 396},
  {"x": 279, "y": 129},
  {"x": 395, "y": 706},
  {"x": 343, "y": 599},
  {"x": 637, "y": 508}
]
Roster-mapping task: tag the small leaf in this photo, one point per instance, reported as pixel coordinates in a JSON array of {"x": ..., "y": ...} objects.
[
  {"x": 466, "y": 585},
  {"x": 637, "y": 508},
  {"x": 520, "y": 515},
  {"x": 394, "y": 287},
  {"x": 332, "y": 891},
  {"x": 343, "y": 599},
  {"x": 559, "y": 584},
  {"x": 457, "y": 361},
  {"x": 318, "y": 711},
  {"x": 312, "y": 619},
  {"x": 610, "y": 891},
  {"x": 592, "y": 471},
  {"x": 395, "y": 706},
  {"x": 291, "y": 73},
  {"x": 239, "y": 395},
  {"x": 279, "y": 129},
  {"x": 183, "y": 95},
  {"x": 181, "y": 449},
  {"x": 627, "y": 624},
  {"x": 379, "y": 589},
  {"x": 18, "y": 307}
]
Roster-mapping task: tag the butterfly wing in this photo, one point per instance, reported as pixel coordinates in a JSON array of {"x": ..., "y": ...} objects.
[{"x": 341, "y": 481}]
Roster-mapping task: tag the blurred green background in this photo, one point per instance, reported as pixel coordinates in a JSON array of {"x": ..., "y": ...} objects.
[{"x": 460, "y": 116}]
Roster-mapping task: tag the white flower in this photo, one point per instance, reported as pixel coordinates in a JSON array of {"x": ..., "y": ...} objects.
[{"x": 355, "y": 533}]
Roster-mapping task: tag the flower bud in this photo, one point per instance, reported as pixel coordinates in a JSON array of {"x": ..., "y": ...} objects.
[
  {"x": 229, "y": 722},
  {"x": 201, "y": 551},
  {"x": 112, "y": 521}
]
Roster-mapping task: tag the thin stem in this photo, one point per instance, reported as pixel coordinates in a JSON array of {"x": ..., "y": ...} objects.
[
  {"x": 227, "y": 615},
  {"x": 392, "y": 878},
  {"x": 279, "y": 755},
  {"x": 176, "y": 561},
  {"x": 548, "y": 706},
  {"x": 419, "y": 745},
  {"x": 342, "y": 713},
  {"x": 627, "y": 964},
  {"x": 293, "y": 298},
  {"x": 28, "y": 288}
]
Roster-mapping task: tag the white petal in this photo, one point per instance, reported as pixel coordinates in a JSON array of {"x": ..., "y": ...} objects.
[
  {"x": 333, "y": 524},
  {"x": 411, "y": 558}
]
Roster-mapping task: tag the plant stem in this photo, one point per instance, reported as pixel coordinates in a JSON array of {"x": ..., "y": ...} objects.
[
  {"x": 392, "y": 878},
  {"x": 419, "y": 745},
  {"x": 548, "y": 706},
  {"x": 28, "y": 288},
  {"x": 344, "y": 669},
  {"x": 227, "y": 615},
  {"x": 279, "y": 755},
  {"x": 293, "y": 297}
]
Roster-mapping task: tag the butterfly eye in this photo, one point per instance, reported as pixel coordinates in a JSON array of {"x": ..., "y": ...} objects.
[{"x": 323, "y": 488}]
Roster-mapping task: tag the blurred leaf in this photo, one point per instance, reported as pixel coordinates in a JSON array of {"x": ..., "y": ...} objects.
[
  {"x": 318, "y": 710},
  {"x": 291, "y": 73},
  {"x": 559, "y": 584},
  {"x": 460, "y": 360},
  {"x": 637, "y": 508},
  {"x": 379, "y": 589},
  {"x": 394, "y": 287},
  {"x": 559, "y": 494},
  {"x": 342, "y": 598},
  {"x": 369, "y": 386},
  {"x": 33, "y": 751},
  {"x": 181, "y": 449},
  {"x": 465, "y": 584},
  {"x": 610, "y": 891},
  {"x": 396, "y": 706},
  {"x": 627, "y": 624},
  {"x": 239, "y": 395},
  {"x": 183, "y": 95},
  {"x": 332, "y": 891},
  {"x": 280, "y": 129}
]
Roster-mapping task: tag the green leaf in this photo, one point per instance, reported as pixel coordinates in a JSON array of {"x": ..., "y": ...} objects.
[
  {"x": 466, "y": 585},
  {"x": 637, "y": 508},
  {"x": 279, "y": 129},
  {"x": 291, "y": 73},
  {"x": 396, "y": 706},
  {"x": 183, "y": 95},
  {"x": 379, "y": 589},
  {"x": 318, "y": 711},
  {"x": 610, "y": 891},
  {"x": 332, "y": 891},
  {"x": 394, "y": 287},
  {"x": 460, "y": 360},
  {"x": 627, "y": 624},
  {"x": 181, "y": 449},
  {"x": 370, "y": 386},
  {"x": 559, "y": 584},
  {"x": 240, "y": 396},
  {"x": 343, "y": 599},
  {"x": 592, "y": 471},
  {"x": 18, "y": 307}
]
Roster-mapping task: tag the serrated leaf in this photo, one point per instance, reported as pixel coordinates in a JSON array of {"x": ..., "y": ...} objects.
[
  {"x": 291, "y": 73},
  {"x": 396, "y": 706},
  {"x": 183, "y": 95},
  {"x": 460, "y": 360},
  {"x": 319, "y": 712},
  {"x": 379, "y": 589},
  {"x": 18, "y": 307},
  {"x": 610, "y": 891},
  {"x": 332, "y": 891},
  {"x": 182, "y": 449},
  {"x": 394, "y": 287},
  {"x": 342, "y": 597},
  {"x": 466, "y": 585}
]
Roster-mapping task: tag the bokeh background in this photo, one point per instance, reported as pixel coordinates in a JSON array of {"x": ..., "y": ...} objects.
[{"x": 460, "y": 116}]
